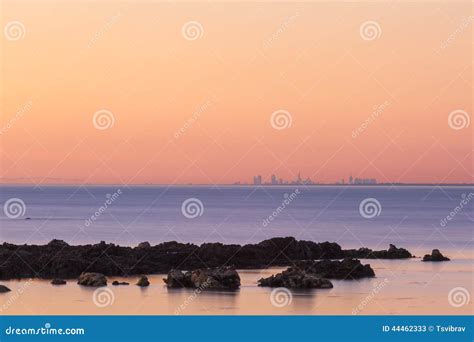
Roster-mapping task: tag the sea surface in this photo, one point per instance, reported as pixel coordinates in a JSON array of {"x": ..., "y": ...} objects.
[
  {"x": 414, "y": 217},
  {"x": 408, "y": 216}
]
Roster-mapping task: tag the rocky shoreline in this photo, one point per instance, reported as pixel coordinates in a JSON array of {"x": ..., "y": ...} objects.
[{"x": 57, "y": 259}]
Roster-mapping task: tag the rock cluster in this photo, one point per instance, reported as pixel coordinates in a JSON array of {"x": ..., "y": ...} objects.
[
  {"x": 204, "y": 279},
  {"x": 366, "y": 253},
  {"x": 295, "y": 278},
  {"x": 57, "y": 259},
  {"x": 58, "y": 281},
  {"x": 435, "y": 256},
  {"x": 347, "y": 268}
]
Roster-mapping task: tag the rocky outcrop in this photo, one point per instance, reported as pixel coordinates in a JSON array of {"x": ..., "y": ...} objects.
[
  {"x": 143, "y": 281},
  {"x": 205, "y": 279},
  {"x": 92, "y": 279},
  {"x": 57, "y": 281},
  {"x": 4, "y": 289},
  {"x": 435, "y": 256},
  {"x": 57, "y": 259},
  {"x": 347, "y": 268},
  {"x": 295, "y": 278},
  {"x": 366, "y": 253},
  {"x": 145, "y": 244}
]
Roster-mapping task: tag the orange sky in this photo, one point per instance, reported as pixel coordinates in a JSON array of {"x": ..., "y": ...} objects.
[{"x": 198, "y": 111}]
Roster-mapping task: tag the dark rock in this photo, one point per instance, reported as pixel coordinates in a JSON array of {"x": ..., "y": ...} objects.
[
  {"x": 117, "y": 283},
  {"x": 57, "y": 281},
  {"x": 143, "y": 281},
  {"x": 57, "y": 259},
  {"x": 177, "y": 278},
  {"x": 4, "y": 289},
  {"x": 205, "y": 279},
  {"x": 334, "y": 269},
  {"x": 92, "y": 279},
  {"x": 145, "y": 244},
  {"x": 295, "y": 278},
  {"x": 366, "y": 253},
  {"x": 435, "y": 256}
]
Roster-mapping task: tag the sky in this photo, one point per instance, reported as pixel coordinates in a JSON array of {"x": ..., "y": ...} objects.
[{"x": 215, "y": 93}]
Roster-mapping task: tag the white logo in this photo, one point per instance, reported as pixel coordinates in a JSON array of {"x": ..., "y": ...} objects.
[
  {"x": 14, "y": 208},
  {"x": 281, "y": 119},
  {"x": 103, "y": 119},
  {"x": 192, "y": 208},
  {"x": 103, "y": 297},
  {"x": 459, "y": 119},
  {"x": 281, "y": 297},
  {"x": 370, "y": 30},
  {"x": 369, "y": 208},
  {"x": 14, "y": 30},
  {"x": 458, "y": 296},
  {"x": 192, "y": 30}
]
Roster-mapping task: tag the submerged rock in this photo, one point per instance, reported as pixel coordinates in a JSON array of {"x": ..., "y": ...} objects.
[
  {"x": 57, "y": 281},
  {"x": 334, "y": 269},
  {"x": 4, "y": 289},
  {"x": 435, "y": 256},
  {"x": 92, "y": 279},
  {"x": 117, "y": 283},
  {"x": 143, "y": 281},
  {"x": 205, "y": 278},
  {"x": 295, "y": 278}
]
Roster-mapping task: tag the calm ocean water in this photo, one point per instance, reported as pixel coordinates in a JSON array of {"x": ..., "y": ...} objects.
[{"x": 407, "y": 216}]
